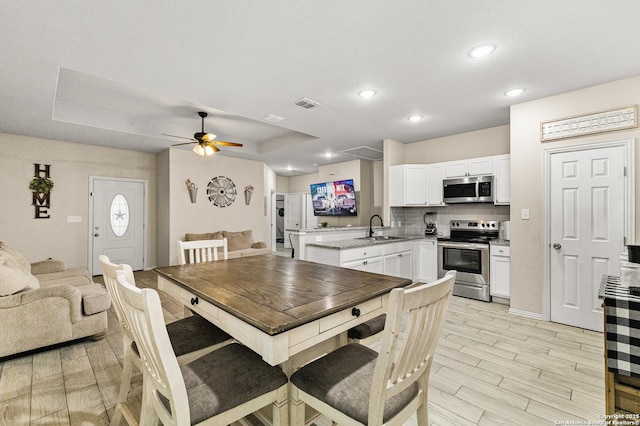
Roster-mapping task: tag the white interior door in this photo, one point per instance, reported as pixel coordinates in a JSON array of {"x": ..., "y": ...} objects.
[
  {"x": 118, "y": 222},
  {"x": 587, "y": 224},
  {"x": 310, "y": 220},
  {"x": 291, "y": 215}
]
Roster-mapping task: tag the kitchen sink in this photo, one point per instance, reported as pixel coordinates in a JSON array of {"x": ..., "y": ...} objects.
[{"x": 380, "y": 238}]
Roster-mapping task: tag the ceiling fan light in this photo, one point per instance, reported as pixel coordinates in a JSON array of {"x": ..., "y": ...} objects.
[{"x": 203, "y": 150}]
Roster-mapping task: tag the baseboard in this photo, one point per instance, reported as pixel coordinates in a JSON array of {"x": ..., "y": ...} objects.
[{"x": 527, "y": 314}]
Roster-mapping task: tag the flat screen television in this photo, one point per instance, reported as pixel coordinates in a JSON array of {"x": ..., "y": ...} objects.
[{"x": 334, "y": 198}]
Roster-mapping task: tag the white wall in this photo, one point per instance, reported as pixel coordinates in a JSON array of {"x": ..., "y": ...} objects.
[
  {"x": 203, "y": 216},
  {"x": 71, "y": 166}
]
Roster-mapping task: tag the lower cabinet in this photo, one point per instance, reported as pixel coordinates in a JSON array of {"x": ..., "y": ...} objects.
[
  {"x": 499, "y": 271},
  {"x": 371, "y": 264},
  {"x": 426, "y": 264},
  {"x": 399, "y": 264}
]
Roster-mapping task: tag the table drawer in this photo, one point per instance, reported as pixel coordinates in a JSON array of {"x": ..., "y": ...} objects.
[
  {"x": 188, "y": 299},
  {"x": 346, "y": 316},
  {"x": 361, "y": 253}
]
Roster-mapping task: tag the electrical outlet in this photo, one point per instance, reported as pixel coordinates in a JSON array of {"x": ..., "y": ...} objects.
[
  {"x": 74, "y": 219},
  {"x": 525, "y": 214}
]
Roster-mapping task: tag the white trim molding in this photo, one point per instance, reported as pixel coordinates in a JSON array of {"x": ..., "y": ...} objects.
[{"x": 526, "y": 314}]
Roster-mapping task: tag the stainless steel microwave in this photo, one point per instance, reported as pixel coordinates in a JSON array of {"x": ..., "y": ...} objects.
[{"x": 470, "y": 189}]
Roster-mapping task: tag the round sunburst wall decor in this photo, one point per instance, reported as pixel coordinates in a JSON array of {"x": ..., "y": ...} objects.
[{"x": 221, "y": 191}]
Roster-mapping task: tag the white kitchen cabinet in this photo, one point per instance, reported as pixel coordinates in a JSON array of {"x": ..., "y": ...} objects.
[
  {"x": 399, "y": 264},
  {"x": 499, "y": 271},
  {"x": 371, "y": 264},
  {"x": 408, "y": 185},
  {"x": 502, "y": 180},
  {"x": 471, "y": 167},
  {"x": 435, "y": 175},
  {"x": 426, "y": 260}
]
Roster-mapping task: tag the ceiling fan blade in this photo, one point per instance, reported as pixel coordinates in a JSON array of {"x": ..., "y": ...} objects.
[
  {"x": 181, "y": 137},
  {"x": 224, "y": 143},
  {"x": 186, "y": 143}
]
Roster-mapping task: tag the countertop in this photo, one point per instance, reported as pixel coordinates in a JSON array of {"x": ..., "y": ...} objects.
[
  {"x": 337, "y": 229},
  {"x": 498, "y": 242},
  {"x": 364, "y": 242}
]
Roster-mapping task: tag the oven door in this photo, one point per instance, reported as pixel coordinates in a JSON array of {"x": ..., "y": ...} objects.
[{"x": 469, "y": 259}]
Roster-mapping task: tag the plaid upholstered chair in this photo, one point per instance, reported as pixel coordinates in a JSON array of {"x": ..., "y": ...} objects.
[
  {"x": 354, "y": 385},
  {"x": 191, "y": 337},
  {"x": 219, "y": 388}
]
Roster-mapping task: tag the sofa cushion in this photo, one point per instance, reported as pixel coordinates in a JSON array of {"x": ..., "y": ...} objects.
[
  {"x": 47, "y": 266},
  {"x": 95, "y": 299},
  {"x": 14, "y": 280},
  {"x": 206, "y": 236},
  {"x": 238, "y": 240},
  {"x": 74, "y": 276}
]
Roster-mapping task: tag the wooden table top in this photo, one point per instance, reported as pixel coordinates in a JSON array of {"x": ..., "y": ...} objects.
[{"x": 275, "y": 293}]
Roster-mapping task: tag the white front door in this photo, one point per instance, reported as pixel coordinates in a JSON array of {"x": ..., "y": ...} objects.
[
  {"x": 587, "y": 224},
  {"x": 118, "y": 222}
]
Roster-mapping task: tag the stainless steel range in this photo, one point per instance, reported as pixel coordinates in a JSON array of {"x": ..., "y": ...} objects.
[{"x": 467, "y": 251}]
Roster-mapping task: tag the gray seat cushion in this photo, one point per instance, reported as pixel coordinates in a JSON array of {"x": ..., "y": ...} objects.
[
  {"x": 343, "y": 380},
  {"x": 227, "y": 378},
  {"x": 368, "y": 329},
  {"x": 194, "y": 333}
]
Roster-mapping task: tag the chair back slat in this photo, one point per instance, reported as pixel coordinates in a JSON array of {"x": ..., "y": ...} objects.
[
  {"x": 109, "y": 274},
  {"x": 405, "y": 357},
  {"x": 143, "y": 311},
  {"x": 201, "y": 251}
]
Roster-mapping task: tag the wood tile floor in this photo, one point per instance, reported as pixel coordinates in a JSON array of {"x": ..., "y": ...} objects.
[{"x": 491, "y": 368}]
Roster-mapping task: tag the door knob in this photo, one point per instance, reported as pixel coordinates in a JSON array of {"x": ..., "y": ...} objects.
[
  {"x": 557, "y": 246},
  {"x": 96, "y": 235}
]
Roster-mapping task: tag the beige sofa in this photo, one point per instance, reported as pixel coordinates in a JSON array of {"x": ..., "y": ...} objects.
[
  {"x": 44, "y": 303},
  {"x": 239, "y": 244}
]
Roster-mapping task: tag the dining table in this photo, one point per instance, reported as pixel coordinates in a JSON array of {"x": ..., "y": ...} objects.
[{"x": 287, "y": 310}]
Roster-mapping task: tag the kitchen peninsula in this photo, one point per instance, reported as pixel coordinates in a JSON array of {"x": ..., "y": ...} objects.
[
  {"x": 406, "y": 256},
  {"x": 301, "y": 237}
]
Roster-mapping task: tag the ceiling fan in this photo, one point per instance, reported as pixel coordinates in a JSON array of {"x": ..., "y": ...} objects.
[{"x": 206, "y": 143}]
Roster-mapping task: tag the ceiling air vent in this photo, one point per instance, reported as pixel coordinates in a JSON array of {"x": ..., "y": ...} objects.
[{"x": 307, "y": 103}]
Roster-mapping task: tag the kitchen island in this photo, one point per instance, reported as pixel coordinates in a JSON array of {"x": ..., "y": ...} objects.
[
  {"x": 301, "y": 237},
  {"x": 413, "y": 256}
]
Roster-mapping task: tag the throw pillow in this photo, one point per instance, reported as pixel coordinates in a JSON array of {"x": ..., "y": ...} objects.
[
  {"x": 17, "y": 256},
  {"x": 238, "y": 240},
  {"x": 14, "y": 280}
]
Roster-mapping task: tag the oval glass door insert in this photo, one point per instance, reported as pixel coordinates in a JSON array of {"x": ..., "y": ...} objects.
[{"x": 119, "y": 215}]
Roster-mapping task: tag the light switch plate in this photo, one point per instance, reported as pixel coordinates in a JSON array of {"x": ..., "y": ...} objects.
[{"x": 524, "y": 214}]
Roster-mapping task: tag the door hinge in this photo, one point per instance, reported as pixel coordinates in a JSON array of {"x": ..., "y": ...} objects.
[{"x": 624, "y": 171}]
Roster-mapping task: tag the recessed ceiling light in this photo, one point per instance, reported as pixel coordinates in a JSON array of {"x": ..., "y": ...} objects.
[
  {"x": 415, "y": 118},
  {"x": 515, "y": 92},
  {"x": 367, "y": 93},
  {"x": 328, "y": 155},
  {"x": 482, "y": 50}
]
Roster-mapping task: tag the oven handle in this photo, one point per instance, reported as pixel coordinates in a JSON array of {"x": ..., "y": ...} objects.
[{"x": 459, "y": 245}]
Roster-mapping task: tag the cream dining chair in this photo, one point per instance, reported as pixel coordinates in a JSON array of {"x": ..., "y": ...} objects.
[
  {"x": 201, "y": 250},
  {"x": 217, "y": 389},
  {"x": 354, "y": 385},
  {"x": 191, "y": 337}
]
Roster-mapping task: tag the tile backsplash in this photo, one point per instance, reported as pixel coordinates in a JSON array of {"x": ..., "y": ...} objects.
[{"x": 412, "y": 218}]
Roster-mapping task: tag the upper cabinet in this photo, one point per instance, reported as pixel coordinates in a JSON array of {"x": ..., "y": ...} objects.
[
  {"x": 471, "y": 167},
  {"x": 421, "y": 184},
  {"x": 416, "y": 185},
  {"x": 502, "y": 179}
]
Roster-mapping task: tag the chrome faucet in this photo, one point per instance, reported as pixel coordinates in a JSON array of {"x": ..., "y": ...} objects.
[{"x": 371, "y": 227}]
